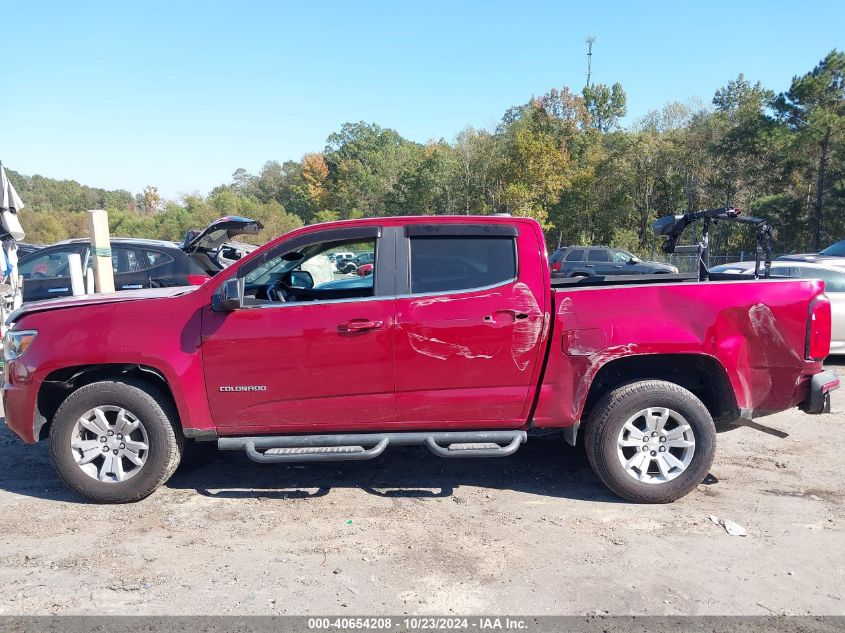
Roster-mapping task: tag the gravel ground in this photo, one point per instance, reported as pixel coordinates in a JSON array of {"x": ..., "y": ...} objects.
[{"x": 410, "y": 533}]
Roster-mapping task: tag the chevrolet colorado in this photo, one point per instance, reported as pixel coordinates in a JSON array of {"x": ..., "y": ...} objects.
[{"x": 466, "y": 344}]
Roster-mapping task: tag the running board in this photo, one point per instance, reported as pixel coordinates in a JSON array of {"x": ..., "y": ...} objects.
[{"x": 355, "y": 446}]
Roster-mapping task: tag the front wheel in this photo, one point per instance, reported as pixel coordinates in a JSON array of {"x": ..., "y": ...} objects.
[
  {"x": 650, "y": 441},
  {"x": 115, "y": 441}
]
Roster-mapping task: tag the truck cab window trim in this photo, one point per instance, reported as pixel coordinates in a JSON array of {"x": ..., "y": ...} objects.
[{"x": 403, "y": 272}]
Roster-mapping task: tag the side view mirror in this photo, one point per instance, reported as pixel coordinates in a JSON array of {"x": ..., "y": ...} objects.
[
  {"x": 635, "y": 260},
  {"x": 229, "y": 297},
  {"x": 301, "y": 279}
]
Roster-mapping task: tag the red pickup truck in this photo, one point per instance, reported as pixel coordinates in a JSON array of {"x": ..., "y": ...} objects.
[{"x": 466, "y": 344}]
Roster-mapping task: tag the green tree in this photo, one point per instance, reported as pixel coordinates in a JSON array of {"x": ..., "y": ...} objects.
[
  {"x": 606, "y": 105},
  {"x": 814, "y": 108}
]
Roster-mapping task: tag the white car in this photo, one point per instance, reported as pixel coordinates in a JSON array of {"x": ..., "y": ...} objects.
[{"x": 834, "y": 287}]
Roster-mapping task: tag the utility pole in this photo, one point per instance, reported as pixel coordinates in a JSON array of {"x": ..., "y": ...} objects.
[{"x": 590, "y": 39}]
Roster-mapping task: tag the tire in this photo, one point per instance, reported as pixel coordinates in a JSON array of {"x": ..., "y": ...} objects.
[
  {"x": 673, "y": 468},
  {"x": 154, "y": 420}
]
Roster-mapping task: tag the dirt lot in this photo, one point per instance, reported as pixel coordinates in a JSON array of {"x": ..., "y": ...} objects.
[{"x": 410, "y": 533}]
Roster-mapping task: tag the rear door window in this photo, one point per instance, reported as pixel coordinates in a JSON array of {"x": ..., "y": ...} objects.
[
  {"x": 454, "y": 263},
  {"x": 575, "y": 256},
  {"x": 154, "y": 258},
  {"x": 126, "y": 260},
  {"x": 598, "y": 255}
]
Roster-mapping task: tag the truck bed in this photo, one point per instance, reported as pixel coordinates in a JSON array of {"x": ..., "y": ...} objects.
[
  {"x": 753, "y": 331},
  {"x": 621, "y": 280},
  {"x": 558, "y": 281}
]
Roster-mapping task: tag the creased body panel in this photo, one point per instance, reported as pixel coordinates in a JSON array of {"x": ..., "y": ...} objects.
[
  {"x": 756, "y": 330},
  {"x": 471, "y": 358}
]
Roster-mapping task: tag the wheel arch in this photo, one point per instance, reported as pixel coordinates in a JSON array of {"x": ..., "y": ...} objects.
[
  {"x": 701, "y": 374},
  {"x": 60, "y": 383}
]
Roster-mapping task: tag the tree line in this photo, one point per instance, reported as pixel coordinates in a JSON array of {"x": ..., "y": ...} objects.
[{"x": 562, "y": 158}]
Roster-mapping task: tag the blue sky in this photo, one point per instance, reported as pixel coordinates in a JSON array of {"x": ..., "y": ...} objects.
[{"x": 179, "y": 94}]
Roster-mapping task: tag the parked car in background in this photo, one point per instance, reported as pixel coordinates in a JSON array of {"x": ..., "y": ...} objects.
[
  {"x": 351, "y": 265},
  {"x": 364, "y": 270},
  {"x": 833, "y": 255},
  {"x": 136, "y": 263},
  {"x": 24, "y": 248},
  {"x": 232, "y": 251},
  {"x": 835, "y": 250},
  {"x": 834, "y": 288},
  {"x": 338, "y": 259},
  {"x": 587, "y": 261}
]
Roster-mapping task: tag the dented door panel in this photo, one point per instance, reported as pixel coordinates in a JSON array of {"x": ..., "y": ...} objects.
[{"x": 470, "y": 358}]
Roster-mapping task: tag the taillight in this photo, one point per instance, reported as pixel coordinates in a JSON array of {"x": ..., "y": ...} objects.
[
  {"x": 556, "y": 266},
  {"x": 817, "y": 346},
  {"x": 197, "y": 280}
]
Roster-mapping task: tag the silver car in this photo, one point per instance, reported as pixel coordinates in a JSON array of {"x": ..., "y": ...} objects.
[{"x": 834, "y": 284}]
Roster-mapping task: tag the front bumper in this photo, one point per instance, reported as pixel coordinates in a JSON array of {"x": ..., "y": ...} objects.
[{"x": 818, "y": 399}]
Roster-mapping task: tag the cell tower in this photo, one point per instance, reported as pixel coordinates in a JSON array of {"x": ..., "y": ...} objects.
[{"x": 590, "y": 39}]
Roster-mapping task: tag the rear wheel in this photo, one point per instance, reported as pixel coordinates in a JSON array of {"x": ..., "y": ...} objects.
[
  {"x": 115, "y": 441},
  {"x": 650, "y": 441}
]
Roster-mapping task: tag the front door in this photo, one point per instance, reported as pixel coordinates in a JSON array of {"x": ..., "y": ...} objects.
[
  {"x": 469, "y": 329},
  {"x": 312, "y": 349},
  {"x": 47, "y": 273}
]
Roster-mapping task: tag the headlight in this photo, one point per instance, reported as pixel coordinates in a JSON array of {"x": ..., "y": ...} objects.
[
  {"x": 674, "y": 269},
  {"x": 16, "y": 342}
]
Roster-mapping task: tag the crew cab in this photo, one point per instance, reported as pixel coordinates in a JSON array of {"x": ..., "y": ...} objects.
[{"x": 468, "y": 347}]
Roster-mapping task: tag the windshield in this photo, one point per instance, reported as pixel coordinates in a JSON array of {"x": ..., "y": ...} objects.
[{"x": 835, "y": 250}]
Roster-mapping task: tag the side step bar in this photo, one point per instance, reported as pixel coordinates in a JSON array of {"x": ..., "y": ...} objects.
[{"x": 358, "y": 446}]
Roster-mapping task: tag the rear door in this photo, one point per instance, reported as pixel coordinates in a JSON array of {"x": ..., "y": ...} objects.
[
  {"x": 130, "y": 273},
  {"x": 469, "y": 321},
  {"x": 598, "y": 259},
  {"x": 574, "y": 262}
]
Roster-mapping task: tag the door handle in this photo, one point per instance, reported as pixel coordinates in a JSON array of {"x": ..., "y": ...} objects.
[
  {"x": 360, "y": 325},
  {"x": 518, "y": 316}
]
